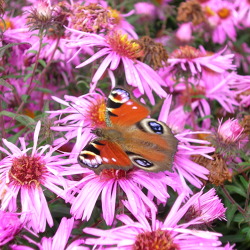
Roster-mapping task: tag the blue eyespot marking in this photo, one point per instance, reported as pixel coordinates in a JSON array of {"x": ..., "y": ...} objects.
[
  {"x": 144, "y": 163},
  {"x": 156, "y": 127}
]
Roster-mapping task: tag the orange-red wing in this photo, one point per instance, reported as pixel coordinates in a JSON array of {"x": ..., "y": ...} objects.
[
  {"x": 123, "y": 109},
  {"x": 104, "y": 154}
]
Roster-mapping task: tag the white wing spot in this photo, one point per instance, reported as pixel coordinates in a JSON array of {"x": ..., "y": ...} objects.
[
  {"x": 113, "y": 159},
  {"x": 105, "y": 159},
  {"x": 134, "y": 107}
]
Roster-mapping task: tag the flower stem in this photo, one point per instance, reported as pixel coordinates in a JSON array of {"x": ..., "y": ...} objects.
[{"x": 230, "y": 198}]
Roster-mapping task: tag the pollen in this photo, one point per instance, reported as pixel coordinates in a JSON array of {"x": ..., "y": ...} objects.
[
  {"x": 123, "y": 46},
  {"x": 27, "y": 170},
  {"x": 6, "y": 24},
  {"x": 187, "y": 52},
  {"x": 224, "y": 13},
  {"x": 158, "y": 239},
  {"x": 208, "y": 11},
  {"x": 114, "y": 15},
  {"x": 96, "y": 113}
]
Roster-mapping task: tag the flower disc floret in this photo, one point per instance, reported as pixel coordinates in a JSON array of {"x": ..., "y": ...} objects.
[
  {"x": 158, "y": 239},
  {"x": 26, "y": 170},
  {"x": 123, "y": 46}
]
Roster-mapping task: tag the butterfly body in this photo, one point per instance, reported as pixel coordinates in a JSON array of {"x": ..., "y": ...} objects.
[{"x": 129, "y": 139}]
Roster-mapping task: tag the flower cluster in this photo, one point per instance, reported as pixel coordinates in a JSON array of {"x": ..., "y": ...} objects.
[{"x": 85, "y": 163}]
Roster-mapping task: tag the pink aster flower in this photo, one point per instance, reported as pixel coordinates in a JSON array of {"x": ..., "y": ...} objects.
[
  {"x": 194, "y": 61},
  {"x": 184, "y": 33},
  {"x": 10, "y": 226},
  {"x": 147, "y": 11},
  {"x": 199, "y": 92},
  {"x": 169, "y": 234},
  {"x": 222, "y": 20},
  {"x": 24, "y": 173},
  {"x": 119, "y": 50},
  {"x": 111, "y": 185},
  {"x": 241, "y": 86},
  {"x": 187, "y": 169},
  {"x": 84, "y": 112},
  {"x": 61, "y": 238},
  {"x": 208, "y": 207},
  {"x": 243, "y": 12}
]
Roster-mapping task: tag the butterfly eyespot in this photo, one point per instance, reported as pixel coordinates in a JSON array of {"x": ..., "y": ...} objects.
[
  {"x": 156, "y": 127},
  {"x": 119, "y": 96},
  {"x": 90, "y": 159},
  {"x": 143, "y": 162}
]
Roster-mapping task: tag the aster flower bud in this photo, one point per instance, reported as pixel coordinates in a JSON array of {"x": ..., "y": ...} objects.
[
  {"x": 10, "y": 225},
  {"x": 40, "y": 16},
  {"x": 230, "y": 137},
  {"x": 230, "y": 131}
]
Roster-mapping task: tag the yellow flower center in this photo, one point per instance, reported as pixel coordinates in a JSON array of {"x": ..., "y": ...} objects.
[
  {"x": 7, "y": 24},
  {"x": 208, "y": 11},
  {"x": 115, "y": 15},
  {"x": 124, "y": 46},
  {"x": 223, "y": 13},
  {"x": 97, "y": 113}
]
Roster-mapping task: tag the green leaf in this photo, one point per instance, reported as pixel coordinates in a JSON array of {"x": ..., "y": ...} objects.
[
  {"x": 244, "y": 182},
  {"x": 7, "y": 113},
  {"x": 42, "y": 62},
  {"x": 44, "y": 44},
  {"x": 27, "y": 77},
  {"x": 4, "y": 48},
  {"x": 6, "y": 84},
  {"x": 25, "y": 98},
  {"x": 230, "y": 213},
  {"x": 32, "y": 51},
  {"x": 44, "y": 90},
  {"x": 204, "y": 117},
  {"x": 13, "y": 76},
  {"x": 199, "y": 96},
  {"x": 24, "y": 119},
  {"x": 237, "y": 190},
  {"x": 15, "y": 137}
]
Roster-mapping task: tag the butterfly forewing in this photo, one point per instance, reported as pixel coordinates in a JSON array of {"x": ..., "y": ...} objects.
[
  {"x": 124, "y": 110},
  {"x": 100, "y": 154}
]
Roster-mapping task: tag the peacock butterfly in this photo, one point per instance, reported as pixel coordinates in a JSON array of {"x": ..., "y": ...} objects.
[{"x": 129, "y": 138}]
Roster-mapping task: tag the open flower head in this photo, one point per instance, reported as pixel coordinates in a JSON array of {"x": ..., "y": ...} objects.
[
  {"x": 24, "y": 173},
  {"x": 168, "y": 234},
  {"x": 119, "y": 50}
]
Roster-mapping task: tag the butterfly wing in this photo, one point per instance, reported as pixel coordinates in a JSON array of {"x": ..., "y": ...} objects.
[
  {"x": 104, "y": 154},
  {"x": 154, "y": 147},
  {"x": 123, "y": 109}
]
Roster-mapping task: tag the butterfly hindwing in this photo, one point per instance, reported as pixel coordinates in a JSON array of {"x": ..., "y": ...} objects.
[
  {"x": 123, "y": 109},
  {"x": 157, "y": 146},
  {"x": 104, "y": 154}
]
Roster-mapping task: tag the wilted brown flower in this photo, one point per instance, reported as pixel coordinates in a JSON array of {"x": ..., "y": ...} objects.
[
  {"x": 190, "y": 11},
  {"x": 153, "y": 53},
  {"x": 219, "y": 172}
]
